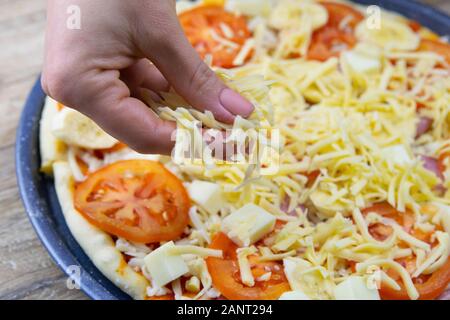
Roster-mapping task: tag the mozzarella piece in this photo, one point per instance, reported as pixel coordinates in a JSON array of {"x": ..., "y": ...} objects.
[
  {"x": 361, "y": 63},
  {"x": 76, "y": 129},
  {"x": 355, "y": 288},
  {"x": 248, "y": 225},
  {"x": 164, "y": 266},
  {"x": 397, "y": 155},
  {"x": 207, "y": 195},
  {"x": 294, "y": 295}
]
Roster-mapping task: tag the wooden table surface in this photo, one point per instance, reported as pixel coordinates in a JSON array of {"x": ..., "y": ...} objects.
[{"x": 26, "y": 270}]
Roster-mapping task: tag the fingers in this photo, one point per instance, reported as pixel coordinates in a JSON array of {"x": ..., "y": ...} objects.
[
  {"x": 106, "y": 99},
  {"x": 234, "y": 103},
  {"x": 144, "y": 74},
  {"x": 172, "y": 53},
  {"x": 132, "y": 122}
]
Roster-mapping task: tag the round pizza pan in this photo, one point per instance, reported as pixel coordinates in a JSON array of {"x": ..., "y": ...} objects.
[{"x": 38, "y": 192}]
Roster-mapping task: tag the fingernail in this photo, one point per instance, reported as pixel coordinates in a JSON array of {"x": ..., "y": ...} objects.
[{"x": 235, "y": 103}]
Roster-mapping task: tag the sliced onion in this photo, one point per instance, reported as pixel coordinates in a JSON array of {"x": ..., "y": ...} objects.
[
  {"x": 432, "y": 164},
  {"x": 423, "y": 126}
]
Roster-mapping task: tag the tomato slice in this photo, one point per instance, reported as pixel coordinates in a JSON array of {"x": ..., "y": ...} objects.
[
  {"x": 441, "y": 48},
  {"x": 138, "y": 200},
  {"x": 330, "y": 40},
  {"x": 204, "y": 25},
  {"x": 226, "y": 276},
  {"x": 312, "y": 177},
  {"x": 406, "y": 219},
  {"x": 430, "y": 289},
  {"x": 414, "y": 25}
]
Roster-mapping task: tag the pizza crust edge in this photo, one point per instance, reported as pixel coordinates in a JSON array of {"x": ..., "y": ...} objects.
[{"x": 97, "y": 244}]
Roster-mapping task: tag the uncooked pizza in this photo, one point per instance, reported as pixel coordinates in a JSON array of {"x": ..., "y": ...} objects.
[{"x": 357, "y": 205}]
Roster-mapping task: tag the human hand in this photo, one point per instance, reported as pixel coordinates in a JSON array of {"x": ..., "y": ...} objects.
[{"x": 100, "y": 69}]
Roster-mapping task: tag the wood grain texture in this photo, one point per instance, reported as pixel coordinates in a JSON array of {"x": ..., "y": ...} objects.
[{"x": 26, "y": 270}]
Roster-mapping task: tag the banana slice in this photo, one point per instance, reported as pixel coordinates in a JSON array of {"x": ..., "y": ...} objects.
[
  {"x": 186, "y": 5},
  {"x": 76, "y": 129},
  {"x": 291, "y": 14},
  {"x": 51, "y": 148},
  {"x": 391, "y": 34},
  {"x": 253, "y": 8}
]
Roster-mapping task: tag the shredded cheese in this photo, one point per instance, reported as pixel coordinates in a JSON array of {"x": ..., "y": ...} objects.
[
  {"x": 198, "y": 251},
  {"x": 244, "y": 265}
]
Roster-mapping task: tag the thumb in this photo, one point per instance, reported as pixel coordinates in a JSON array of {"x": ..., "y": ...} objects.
[{"x": 191, "y": 78}]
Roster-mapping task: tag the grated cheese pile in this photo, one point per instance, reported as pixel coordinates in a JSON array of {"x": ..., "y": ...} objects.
[{"x": 356, "y": 123}]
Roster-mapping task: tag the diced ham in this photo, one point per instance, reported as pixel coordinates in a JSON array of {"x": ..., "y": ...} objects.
[
  {"x": 433, "y": 165},
  {"x": 423, "y": 126}
]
